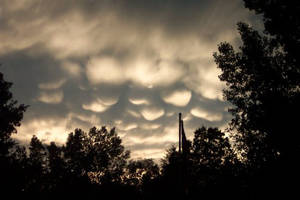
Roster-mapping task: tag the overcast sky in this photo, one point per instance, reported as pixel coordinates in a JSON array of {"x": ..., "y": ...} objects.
[{"x": 133, "y": 64}]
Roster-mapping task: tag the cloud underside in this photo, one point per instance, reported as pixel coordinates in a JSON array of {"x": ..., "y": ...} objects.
[{"x": 131, "y": 64}]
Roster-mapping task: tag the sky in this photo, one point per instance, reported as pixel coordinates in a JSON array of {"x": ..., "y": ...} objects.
[{"x": 129, "y": 64}]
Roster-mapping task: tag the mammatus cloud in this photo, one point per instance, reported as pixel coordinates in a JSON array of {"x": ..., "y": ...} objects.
[
  {"x": 51, "y": 97},
  {"x": 178, "y": 98},
  {"x": 133, "y": 64},
  {"x": 139, "y": 101},
  {"x": 99, "y": 105},
  {"x": 201, "y": 113},
  {"x": 52, "y": 85},
  {"x": 152, "y": 113},
  {"x": 73, "y": 69},
  {"x": 104, "y": 70}
]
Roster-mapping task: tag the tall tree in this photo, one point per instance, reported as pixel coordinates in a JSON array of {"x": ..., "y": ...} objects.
[
  {"x": 37, "y": 165},
  {"x": 213, "y": 162},
  {"x": 11, "y": 115},
  {"x": 140, "y": 172},
  {"x": 56, "y": 173},
  {"x": 211, "y": 149},
  {"x": 98, "y": 154},
  {"x": 108, "y": 154},
  {"x": 281, "y": 19},
  {"x": 262, "y": 83},
  {"x": 258, "y": 85},
  {"x": 206, "y": 167}
]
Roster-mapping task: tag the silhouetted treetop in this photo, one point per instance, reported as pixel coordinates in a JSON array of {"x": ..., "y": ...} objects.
[
  {"x": 11, "y": 115},
  {"x": 211, "y": 148},
  {"x": 141, "y": 171},
  {"x": 98, "y": 153},
  {"x": 262, "y": 87},
  {"x": 282, "y": 20}
]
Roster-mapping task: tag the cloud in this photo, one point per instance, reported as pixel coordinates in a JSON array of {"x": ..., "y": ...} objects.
[
  {"x": 178, "y": 97},
  {"x": 134, "y": 114},
  {"x": 52, "y": 85},
  {"x": 100, "y": 105},
  {"x": 128, "y": 127},
  {"x": 139, "y": 101},
  {"x": 149, "y": 74},
  {"x": 198, "y": 112},
  {"x": 51, "y": 97},
  {"x": 133, "y": 64},
  {"x": 150, "y": 126},
  {"x": 72, "y": 68},
  {"x": 45, "y": 129},
  {"x": 152, "y": 113},
  {"x": 104, "y": 70}
]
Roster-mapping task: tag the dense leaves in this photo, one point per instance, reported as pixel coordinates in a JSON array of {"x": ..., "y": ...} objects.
[
  {"x": 10, "y": 116},
  {"x": 262, "y": 80},
  {"x": 259, "y": 85},
  {"x": 11, "y": 160}
]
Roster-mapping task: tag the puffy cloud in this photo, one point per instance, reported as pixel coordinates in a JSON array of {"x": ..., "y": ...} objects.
[
  {"x": 72, "y": 55},
  {"x": 152, "y": 113},
  {"x": 51, "y": 97},
  {"x": 204, "y": 80},
  {"x": 72, "y": 68},
  {"x": 201, "y": 113},
  {"x": 52, "y": 85},
  {"x": 150, "y": 126},
  {"x": 178, "y": 97},
  {"x": 45, "y": 129},
  {"x": 139, "y": 101},
  {"x": 104, "y": 70},
  {"x": 149, "y": 74},
  {"x": 100, "y": 105},
  {"x": 128, "y": 127},
  {"x": 134, "y": 114}
]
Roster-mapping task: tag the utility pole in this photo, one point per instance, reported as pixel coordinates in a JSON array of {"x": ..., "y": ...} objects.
[{"x": 180, "y": 134}]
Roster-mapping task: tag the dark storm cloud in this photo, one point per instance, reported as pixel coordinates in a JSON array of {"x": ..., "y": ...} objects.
[{"x": 134, "y": 64}]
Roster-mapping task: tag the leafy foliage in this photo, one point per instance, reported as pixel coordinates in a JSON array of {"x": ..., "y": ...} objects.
[
  {"x": 10, "y": 116},
  {"x": 258, "y": 85}
]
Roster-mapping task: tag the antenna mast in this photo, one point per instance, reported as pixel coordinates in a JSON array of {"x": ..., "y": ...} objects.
[{"x": 180, "y": 134}]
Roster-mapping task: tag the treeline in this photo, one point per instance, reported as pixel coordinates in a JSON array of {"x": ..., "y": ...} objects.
[
  {"x": 96, "y": 163},
  {"x": 262, "y": 159}
]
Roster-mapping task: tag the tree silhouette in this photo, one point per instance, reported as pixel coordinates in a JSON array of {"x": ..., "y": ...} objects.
[
  {"x": 11, "y": 115},
  {"x": 258, "y": 86},
  {"x": 37, "y": 165},
  {"x": 97, "y": 154},
  {"x": 140, "y": 172},
  {"x": 213, "y": 162},
  {"x": 209, "y": 166},
  {"x": 56, "y": 168},
  {"x": 107, "y": 154},
  {"x": 263, "y": 85},
  {"x": 75, "y": 153},
  {"x": 282, "y": 20},
  {"x": 211, "y": 148}
]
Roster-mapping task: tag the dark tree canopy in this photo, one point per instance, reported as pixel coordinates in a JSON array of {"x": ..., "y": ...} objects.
[
  {"x": 260, "y": 85},
  {"x": 98, "y": 153},
  {"x": 282, "y": 20},
  {"x": 12, "y": 161},
  {"x": 11, "y": 115},
  {"x": 208, "y": 166},
  {"x": 139, "y": 172},
  {"x": 263, "y": 84},
  {"x": 211, "y": 149}
]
